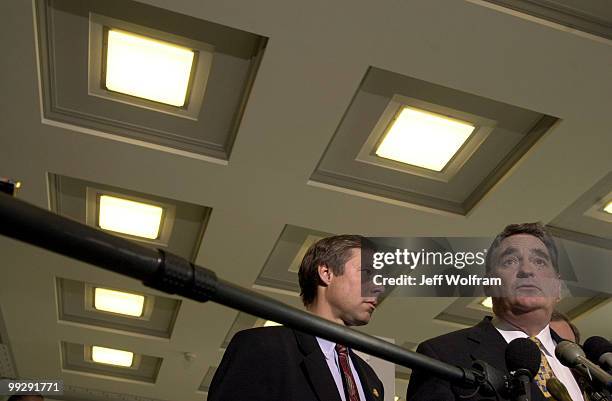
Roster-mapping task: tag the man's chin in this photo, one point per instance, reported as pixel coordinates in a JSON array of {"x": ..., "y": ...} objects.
[
  {"x": 530, "y": 303},
  {"x": 359, "y": 320}
]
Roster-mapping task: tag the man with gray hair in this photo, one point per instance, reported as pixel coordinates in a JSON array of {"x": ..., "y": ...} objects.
[{"x": 525, "y": 258}]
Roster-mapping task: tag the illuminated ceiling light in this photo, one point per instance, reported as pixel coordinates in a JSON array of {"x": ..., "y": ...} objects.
[
  {"x": 109, "y": 356},
  {"x": 608, "y": 208},
  {"x": 118, "y": 302},
  {"x": 487, "y": 302},
  {"x": 129, "y": 217},
  {"x": 147, "y": 68},
  {"x": 424, "y": 139},
  {"x": 396, "y": 398},
  {"x": 270, "y": 323}
]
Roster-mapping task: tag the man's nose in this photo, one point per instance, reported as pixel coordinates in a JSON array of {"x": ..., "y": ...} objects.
[
  {"x": 375, "y": 290},
  {"x": 378, "y": 290},
  {"x": 526, "y": 269}
]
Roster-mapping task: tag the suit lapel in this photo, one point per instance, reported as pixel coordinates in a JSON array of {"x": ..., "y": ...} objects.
[
  {"x": 488, "y": 344},
  {"x": 371, "y": 390},
  {"x": 316, "y": 369},
  {"x": 556, "y": 337}
]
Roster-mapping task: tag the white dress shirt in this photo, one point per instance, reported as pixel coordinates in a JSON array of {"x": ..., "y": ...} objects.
[
  {"x": 331, "y": 356},
  {"x": 563, "y": 373}
]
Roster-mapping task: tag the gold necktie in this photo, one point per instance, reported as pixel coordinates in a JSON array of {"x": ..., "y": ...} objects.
[{"x": 545, "y": 372}]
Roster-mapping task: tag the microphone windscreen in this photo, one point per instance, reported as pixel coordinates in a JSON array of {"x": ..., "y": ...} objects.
[
  {"x": 594, "y": 347},
  {"x": 522, "y": 353},
  {"x": 569, "y": 353}
]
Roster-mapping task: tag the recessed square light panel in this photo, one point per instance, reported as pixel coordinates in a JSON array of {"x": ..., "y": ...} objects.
[
  {"x": 119, "y": 309},
  {"x": 129, "y": 217},
  {"x": 147, "y": 68},
  {"x": 424, "y": 139},
  {"x": 134, "y": 217},
  {"x": 110, "y": 361},
  {"x": 119, "y": 302},
  {"x": 410, "y": 142},
  {"x": 110, "y": 356},
  {"x": 151, "y": 220},
  {"x": 146, "y": 75}
]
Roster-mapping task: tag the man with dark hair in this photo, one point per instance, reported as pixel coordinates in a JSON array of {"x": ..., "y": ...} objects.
[
  {"x": 525, "y": 258},
  {"x": 279, "y": 363},
  {"x": 564, "y": 328},
  {"x": 336, "y": 300}
]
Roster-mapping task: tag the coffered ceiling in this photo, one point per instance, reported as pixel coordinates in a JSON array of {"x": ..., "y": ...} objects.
[{"x": 271, "y": 152}]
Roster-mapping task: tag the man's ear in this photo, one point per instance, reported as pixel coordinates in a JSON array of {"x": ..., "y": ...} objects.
[
  {"x": 493, "y": 291},
  {"x": 487, "y": 288},
  {"x": 559, "y": 289},
  {"x": 325, "y": 274}
]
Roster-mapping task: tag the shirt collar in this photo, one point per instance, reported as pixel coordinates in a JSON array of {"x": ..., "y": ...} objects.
[
  {"x": 511, "y": 332},
  {"x": 328, "y": 347}
]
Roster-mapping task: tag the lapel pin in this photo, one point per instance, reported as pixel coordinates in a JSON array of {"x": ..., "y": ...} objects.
[{"x": 375, "y": 392}]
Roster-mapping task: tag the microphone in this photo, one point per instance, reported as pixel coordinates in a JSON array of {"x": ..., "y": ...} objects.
[
  {"x": 572, "y": 356},
  {"x": 523, "y": 361},
  {"x": 557, "y": 390},
  {"x": 599, "y": 350}
]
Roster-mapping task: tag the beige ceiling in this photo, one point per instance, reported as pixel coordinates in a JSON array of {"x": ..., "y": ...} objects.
[{"x": 316, "y": 55}]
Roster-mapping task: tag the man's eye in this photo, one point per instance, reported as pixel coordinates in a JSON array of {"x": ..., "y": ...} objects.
[
  {"x": 366, "y": 272},
  {"x": 540, "y": 262},
  {"x": 509, "y": 261}
]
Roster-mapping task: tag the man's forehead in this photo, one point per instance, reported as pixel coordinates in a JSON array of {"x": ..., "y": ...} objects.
[
  {"x": 353, "y": 256},
  {"x": 522, "y": 242},
  {"x": 353, "y": 253}
]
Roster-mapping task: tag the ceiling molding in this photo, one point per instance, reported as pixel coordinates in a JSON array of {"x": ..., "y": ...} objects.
[
  {"x": 583, "y": 238},
  {"x": 504, "y": 134},
  {"x": 557, "y": 12},
  {"x": 69, "y": 98}
]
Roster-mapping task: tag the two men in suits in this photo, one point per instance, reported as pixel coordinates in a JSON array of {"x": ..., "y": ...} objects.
[
  {"x": 525, "y": 257},
  {"x": 279, "y": 363}
]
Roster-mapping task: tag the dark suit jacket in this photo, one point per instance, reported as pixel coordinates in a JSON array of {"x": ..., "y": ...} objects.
[
  {"x": 461, "y": 348},
  {"x": 278, "y": 363}
]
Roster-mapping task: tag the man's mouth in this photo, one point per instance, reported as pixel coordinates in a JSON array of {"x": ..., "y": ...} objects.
[
  {"x": 373, "y": 304},
  {"x": 528, "y": 287}
]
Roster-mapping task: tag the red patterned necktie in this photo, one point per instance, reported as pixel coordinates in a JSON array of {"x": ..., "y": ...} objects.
[{"x": 349, "y": 381}]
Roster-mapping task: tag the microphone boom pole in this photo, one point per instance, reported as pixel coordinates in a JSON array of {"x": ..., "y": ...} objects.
[{"x": 172, "y": 274}]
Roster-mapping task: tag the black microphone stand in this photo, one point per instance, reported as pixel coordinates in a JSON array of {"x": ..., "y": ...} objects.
[{"x": 174, "y": 275}]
